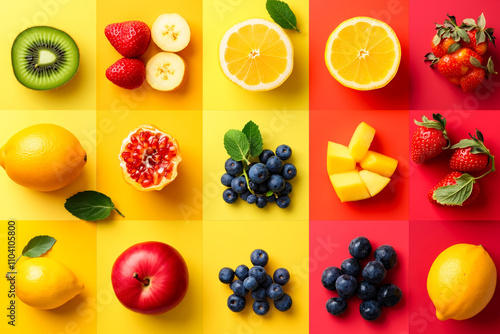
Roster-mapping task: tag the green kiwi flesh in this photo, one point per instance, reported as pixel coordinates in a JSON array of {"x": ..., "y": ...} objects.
[{"x": 44, "y": 58}]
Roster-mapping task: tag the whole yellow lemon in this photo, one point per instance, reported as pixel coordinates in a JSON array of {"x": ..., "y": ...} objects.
[
  {"x": 43, "y": 157},
  {"x": 45, "y": 283},
  {"x": 461, "y": 281}
]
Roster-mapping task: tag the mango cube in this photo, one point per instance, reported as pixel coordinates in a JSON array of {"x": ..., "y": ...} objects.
[
  {"x": 379, "y": 163},
  {"x": 338, "y": 159},
  {"x": 361, "y": 141},
  {"x": 374, "y": 182},
  {"x": 349, "y": 186}
]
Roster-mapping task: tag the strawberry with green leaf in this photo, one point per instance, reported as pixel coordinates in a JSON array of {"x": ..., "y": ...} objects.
[
  {"x": 479, "y": 35},
  {"x": 429, "y": 139},
  {"x": 471, "y": 155}
]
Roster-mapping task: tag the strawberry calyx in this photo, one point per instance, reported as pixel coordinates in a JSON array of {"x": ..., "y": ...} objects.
[
  {"x": 451, "y": 29},
  {"x": 482, "y": 33},
  {"x": 431, "y": 57},
  {"x": 438, "y": 123},
  {"x": 489, "y": 68}
]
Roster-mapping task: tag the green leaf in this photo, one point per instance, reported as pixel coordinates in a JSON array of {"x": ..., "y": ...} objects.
[
  {"x": 464, "y": 143},
  {"x": 455, "y": 194},
  {"x": 490, "y": 66},
  {"x": 475, "y": 62},
  {"x": 454, "y": 47},
  {"x": 469, "y": 22},
  {"x": 448, "y": 24},
  {"x": 281, "y": 13},
  {"x": 90, "y": 205},
  {"x": 251, "y": 130},
  {"x": 436, "y": 40},
  {"x": 480, "y": 37},
  {"x": 455, "y": 36},
  {"x": 452, "y": 19},
  {"x": 269, "y": 193},
  {"x": 38, "y": 246},
  {"x": 236, "y": 144},
  {"x": 481, "y": 21},
  {"x": 463, "y": 35}
]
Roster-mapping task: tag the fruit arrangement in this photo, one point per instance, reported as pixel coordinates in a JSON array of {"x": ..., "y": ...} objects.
[
  {"x": 165, "y": 70},
  {"x": 459, "y": 52},
  {"x": 255, "y": 182},
  {"x": 374, "y": 294},
  {"x": 261, "y": 285},
  {"x": 363, "y": 53},
  {"x": 150, "y": 278},
  {"x": 149, "y": 158},
  {"x": 458, "y": 188},
  {"x": 44, "y": 58},
  {"x": 350, "y": 182},
  {"x": 465, "y": 272}
]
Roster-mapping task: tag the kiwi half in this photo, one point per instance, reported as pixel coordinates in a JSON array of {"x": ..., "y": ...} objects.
[{"x": 44, "y": 58}]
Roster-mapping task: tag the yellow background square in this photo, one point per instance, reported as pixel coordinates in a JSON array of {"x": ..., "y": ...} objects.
[
  {"x": 277, "y": 127},
  {"x": 75, "y": 17},
  {"x": 186, "y": 97},
  {"x": 221, "y": 94},
  {"x": 229, "y": 244},
  {"x": 177, "y": 198},
  {"x": 75, "y": 250},
  {"x": 22, "y": 203},
  {"x": 115, "y": 237}
]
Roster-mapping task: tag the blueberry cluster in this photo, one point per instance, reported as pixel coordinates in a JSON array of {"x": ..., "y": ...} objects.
[
  {"x": 260, "y": 182},
  {"x": 260, "y": 285},
  {"x": 344, "y": 280}
]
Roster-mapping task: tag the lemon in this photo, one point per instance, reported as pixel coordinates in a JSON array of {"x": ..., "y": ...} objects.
[
  {"x": 45, "y": 283},
  {"x": 363, "y": 53},
  {"x": 43, "y": 157},
  {"x": 461, "y": 281},
  {"x": 256, "y": 54}
]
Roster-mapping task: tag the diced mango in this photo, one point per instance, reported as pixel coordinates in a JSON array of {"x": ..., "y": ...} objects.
[
  {"x": 361, "y": 141},
  {"x": 349, "y": 186},
  {"x": 374, "y": 182},
  {"x": 379, "y": 163},
  {"x": 338, "y": 159}
]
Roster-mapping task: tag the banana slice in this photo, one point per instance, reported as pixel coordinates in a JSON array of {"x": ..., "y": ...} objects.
[
  {"x": 165, "y": 71},
  {"x": 171, "y": 32}
]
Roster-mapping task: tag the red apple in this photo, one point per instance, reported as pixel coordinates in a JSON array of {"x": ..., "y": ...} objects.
[{"x": 150, "y": 278}]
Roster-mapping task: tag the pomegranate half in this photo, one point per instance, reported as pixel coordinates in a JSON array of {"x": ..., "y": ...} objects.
[{"x": 149, "y": 158}]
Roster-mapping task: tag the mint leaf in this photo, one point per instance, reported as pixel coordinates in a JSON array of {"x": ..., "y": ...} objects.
[
  {"x": 251, "y": 130},
  {"x": 236, "y": 144},
  {"x": 90, "y": 205},
  {"x": 455, "y": 194},
  {"x": 269, "y": 193},
  {"x": 281, "y": 13},
  {"x": 38, "y": 246}
]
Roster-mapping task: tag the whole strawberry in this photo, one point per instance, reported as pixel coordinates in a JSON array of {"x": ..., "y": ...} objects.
[
  {"x": 127, "y": 73},
  {"x": 455, "y": 189},
  {"x": 429, "y": 139},
  {"x": 472, "y": 79},
  {"x": 478, "y": 36},
  {"x": 451, "y": 67},
  {"x": 441, "y": 49},
  {"x": 470, "y": 155},
  {"x": 130, "y": 38}
]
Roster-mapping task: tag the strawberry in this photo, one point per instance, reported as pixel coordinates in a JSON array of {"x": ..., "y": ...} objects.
[
  {"x": 429, "y": 139},
  {"x": 463, "y": 55},
  {"x": 472, "y": 79},
  {"x": 130, "y": 38},
  {"x": 455, "y": 81},
  {"x": 127, "y": 73},
  {"x": 470, "y": 155},
  {"x": 441, "y": 49},
  {"x": 478, "y": 36},
  {"x": 451, "y": 67},
  {"x": 480, "y": 48},
  {"x": 455, "y": 189}
]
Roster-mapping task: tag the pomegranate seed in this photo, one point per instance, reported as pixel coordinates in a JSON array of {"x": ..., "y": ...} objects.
[
  {"x": 146, "y": 183},
  {"x": 130, "y": 147},
  {"x": 125, "y": 155},
  {"x": 163, "y": 142},
  {"x": 134, "y": 140},
  {"x": 172, "y": 150}
]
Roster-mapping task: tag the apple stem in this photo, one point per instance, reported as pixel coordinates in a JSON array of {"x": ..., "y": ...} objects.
[{"x": 143, "y": 281}]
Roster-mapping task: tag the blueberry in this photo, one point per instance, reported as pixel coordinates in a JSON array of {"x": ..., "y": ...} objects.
[
  {"x": 268, "y": 281},
  {"x": 370, "y": 310},
  {"x": 284, "y": 152},
  {"x": 281, "y": 276},
  {"x": 239, "y": 289},
  {"x": 389, "y": 295},
  {"x": 241, "y": 272},
  {"x": 259, "y": 257},
  {"x": 261, "y": 202},
  {"x": 367, "y": 291},
  {"x": 226, "y": 179},
  {"x": 274, "y": 164},
  {"x": 329, "y": 277},
  {"x": 259, "y": 273},
  {"x": 271, "y": 199},
  {"x": 258, "y": 173},
  {"x": 251, "y": 199},
  {"x": 245, "y": 195},
  {"x": 275, "y": 291},
  {"x": 226, "y": 275},
  {"x": 387, "y": 255},
  {"x": 351, "y": 267},
  {"x": 239, "y": 184},
  {"x": 262, "y": 188},
  {"x": 230, "y": 196},
  {"x": 276, "y": 183},
  {"x": 336, "y": 306},
  {"x": 232, "y": 283},
  {"x": 259, "y": 294},
  {"x": 374, "y": 272},
  {"x": 284, "y": 303},
  {"x": 283, "y": 201},
  {"x": 252, "y": 185},
  {"x": 287, "y": 190},
  {"x": 236, "y": 303},
  {"x": 289, "y": 171},
  {"x": 233, "y": 168},
  {"x": 346, "y": 286},
  {"x": 250, "y": 283},
  {"x": 260, "y": 307},
  {"x": 360, "y": 248},
  {"x": 265, "y": 155}
]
